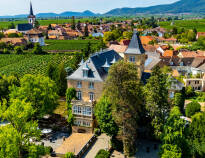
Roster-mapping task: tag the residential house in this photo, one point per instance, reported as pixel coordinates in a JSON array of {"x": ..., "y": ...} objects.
[
  {"x": 196, "y": 83},
  {"x": 146, "y": 39},
  {"x": 88, "y": 80},
  {"x": 35, "y": 36}
]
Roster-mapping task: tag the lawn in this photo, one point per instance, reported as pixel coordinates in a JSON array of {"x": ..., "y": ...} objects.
[
  {"x": 68, "y": 44},
  {"x": 31, "y": 64},
  {"x": 187, "y": 24}
]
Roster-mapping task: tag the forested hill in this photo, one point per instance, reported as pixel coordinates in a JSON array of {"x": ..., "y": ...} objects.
[{"x": 182, "y": 6}]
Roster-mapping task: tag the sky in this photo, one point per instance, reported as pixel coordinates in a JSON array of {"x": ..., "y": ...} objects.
[{"x": 14, "y": 7}]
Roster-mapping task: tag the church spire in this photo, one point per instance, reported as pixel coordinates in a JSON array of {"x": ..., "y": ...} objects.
[{"x": 31, "y": 9}]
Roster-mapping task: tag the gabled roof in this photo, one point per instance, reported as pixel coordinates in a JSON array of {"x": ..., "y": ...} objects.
[
  {"x": 135, "y": 46},
  {"x": 95, "y": 64}
]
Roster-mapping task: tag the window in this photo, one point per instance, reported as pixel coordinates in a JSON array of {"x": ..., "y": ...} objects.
[
  {"x": 79, "y": 84},
  {"x": 132, "y": 59},
  {"x": 85, "y": 123},
  {"x": 77, "y": 123},
  {"x": 91, "y": 95},
  {"x": 87, "y": 111},
  {"x": 85, "y": 73},
  {"x": 75, "y": 110},
  {"x": 181, "y": 63},
  {"x": 91, "y": 85},
  {"x": 79, "y": 95}
]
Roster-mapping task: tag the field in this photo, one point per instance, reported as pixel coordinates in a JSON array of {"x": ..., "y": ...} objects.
[
  {"x": 30, "y": 64},
  {"x": 187, "y": 24},
  {"x": 68, "y": 44}
]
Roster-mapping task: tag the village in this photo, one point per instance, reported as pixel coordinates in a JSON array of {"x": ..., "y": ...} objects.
[{"x": 132, "y": 89}]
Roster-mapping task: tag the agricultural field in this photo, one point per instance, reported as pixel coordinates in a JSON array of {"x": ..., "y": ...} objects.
[
  {"x": 68, "y": 44},
  {"x": 187, "y": 24},
  {"x": 31, "y": 64}
]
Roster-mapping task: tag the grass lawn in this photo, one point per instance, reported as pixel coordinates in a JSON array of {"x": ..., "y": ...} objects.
[
  {"x": 61, "y": 109},
  {"x": 187, "y": 24}
]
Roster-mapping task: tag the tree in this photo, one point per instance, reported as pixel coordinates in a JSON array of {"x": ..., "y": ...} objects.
[
  {"x": 11, "y": 26},
  {"x": 70, "y": 94},
  {"x": 36, "y": 24},
  {"x": 156, "y": 99},
  {"x": 174, "y": 132},
  {"x": 1, "y": 35},
  {"x": 73, "y": 23},
  {"x": 13, "y": 35},
  {"x": 61, "y": 80},
  {"x": 171, "y": 151},
  {"x": 103, "y": 113},
  {"x": 38, "y": 49},
  {"x": 191, "y": 36},
  {"x": 40, "y": 91},
  {"x": 102, "y": 154},
  {"x": 123, "y": 89},
  {"x": 197, "y": 135},
  {"x": 18, "y": 50},
  {"x": 179, "y": 100},
  {"x": 79, "y": 26},
  {"x": 108, "y": 36},
  {"x": 192, "y": 108},
  {"x": 52, "y": 71},
  {"x": 189, "y": 92},
  {"x": 127, "y": 35},
  {"x": 86, "y": 32},
  {"x": 16, "y": 136}
]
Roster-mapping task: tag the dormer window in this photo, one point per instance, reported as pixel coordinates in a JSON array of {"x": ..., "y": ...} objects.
[
  {"x": 106, "y": 66},
  {"x": 85, "y": 70},
  {"x": 132, "y": 59},
  {"x": 113, "y": 61}
]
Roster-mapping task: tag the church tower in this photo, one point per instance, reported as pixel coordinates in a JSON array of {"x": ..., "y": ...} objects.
[
  {"x": 135, "y": 53},
  {"x": 31, "y": 17}
]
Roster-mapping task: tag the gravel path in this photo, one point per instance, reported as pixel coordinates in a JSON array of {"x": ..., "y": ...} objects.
[{"x": 102, "y": 142}]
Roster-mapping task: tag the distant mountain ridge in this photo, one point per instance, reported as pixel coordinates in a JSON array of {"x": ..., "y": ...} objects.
[
  {"x": 50, "y": 15},
  {"x": 181, "y": 6}
]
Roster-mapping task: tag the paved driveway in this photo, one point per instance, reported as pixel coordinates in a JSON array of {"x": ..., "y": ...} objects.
[{"x": 102, "y": 142}]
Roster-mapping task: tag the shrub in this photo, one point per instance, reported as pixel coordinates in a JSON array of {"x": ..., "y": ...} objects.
[
  {"x": 35, "y": 151},
  {"x": 192, "y": 108},
  {"x": 102, "y": 154},
  {"x": 69, "y": 155}
]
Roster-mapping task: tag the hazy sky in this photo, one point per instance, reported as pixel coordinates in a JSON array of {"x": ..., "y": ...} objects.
[{"x": 13, "y": 7}]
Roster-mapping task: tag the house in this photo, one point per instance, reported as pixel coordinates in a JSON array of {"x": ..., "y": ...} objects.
[
  {"x": 190, "y": 54},
  {"x": 146, "y": 39},
  {"x": 175, "y": 86},
  {"x": 200, "y": 34},
  {"x": 14, "y": 41},
  {"x": 196, "y": 83},
  {"x": 166, "y": 40},
  {"x": 118, "y": 48},
  {"x": 35, "y": 36},
  {"x": 10, "y": 31},
  {"x": 135, "y": 53},
  {"x": 88, "y": 80}
]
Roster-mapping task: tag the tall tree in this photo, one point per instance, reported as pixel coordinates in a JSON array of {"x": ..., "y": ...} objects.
[
  {"x": 15, "y": 137},
  {"x": 197, "y": 135},
  {"x": 103, "y": 113},
  {"x": 123, "y": 89},
  {"x": 156, "y": 98},
  {"x": 175, "y": 132},
  {"x": 61, "y": 80},
  {"x": 73, "y": 23},
  {"x": 40, "y": 91},
  {"x": 86, "y": 32}
]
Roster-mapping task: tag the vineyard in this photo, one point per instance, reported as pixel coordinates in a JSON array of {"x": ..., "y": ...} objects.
[
  {"x": 187, "y": 24},
  {"x": 68, "y": 44},
  {"x": 30, "y": 64}
]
